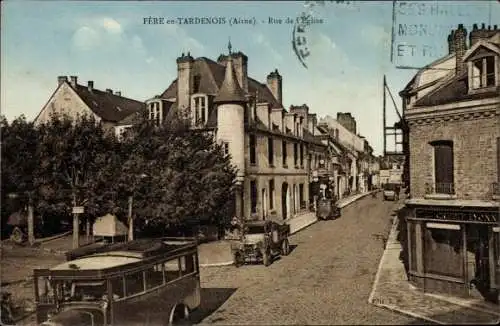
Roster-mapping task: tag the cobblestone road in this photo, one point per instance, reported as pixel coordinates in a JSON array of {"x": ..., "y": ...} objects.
[{"x": 325, "y": 280}]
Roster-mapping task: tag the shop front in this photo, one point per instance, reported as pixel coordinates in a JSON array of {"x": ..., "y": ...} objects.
[{"x": 454, "y": 249}]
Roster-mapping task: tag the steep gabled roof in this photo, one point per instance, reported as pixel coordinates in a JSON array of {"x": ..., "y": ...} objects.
[
  {"x": 108, "y": 106},
  {"x": 230, "y": 91},
  {"x": 212, "y": 75}
]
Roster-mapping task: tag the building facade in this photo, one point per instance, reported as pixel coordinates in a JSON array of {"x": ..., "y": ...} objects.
[
  {"x": 272, "y": 148},
  {"x": 114, "y": 111},
  {"x": 453, "y": 116}
]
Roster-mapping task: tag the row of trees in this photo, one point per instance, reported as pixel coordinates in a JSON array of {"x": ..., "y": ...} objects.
[{"x": 177, "y": 177}]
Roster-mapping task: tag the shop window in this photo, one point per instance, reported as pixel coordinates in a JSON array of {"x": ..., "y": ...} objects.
[{"x": 443, "y": 253}]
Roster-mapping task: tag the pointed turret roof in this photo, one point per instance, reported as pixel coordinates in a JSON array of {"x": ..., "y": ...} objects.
[{"x": 230, "y": 91}]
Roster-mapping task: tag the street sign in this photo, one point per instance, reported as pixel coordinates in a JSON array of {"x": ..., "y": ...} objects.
[{"x": 78, "y": 210}]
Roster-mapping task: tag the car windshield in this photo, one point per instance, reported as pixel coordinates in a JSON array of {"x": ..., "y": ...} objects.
[
  {"x": 255, "y": 229},
  {"x": 82, "y": 291},
  {"x": 390, "y": 186}
]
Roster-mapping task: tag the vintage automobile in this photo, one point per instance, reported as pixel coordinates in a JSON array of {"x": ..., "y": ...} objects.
[
  {"x": 391, "y": 191},
  {"x": 327, "y": 209},
  {"x": 261, "y": 241}
]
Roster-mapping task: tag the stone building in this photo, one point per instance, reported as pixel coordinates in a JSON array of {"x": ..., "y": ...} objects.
[
  {"x": 452, "y": 109},
  {"x": 113, "y": 110},
  {"x": 348, "y": 121},
  {"x": 271, "y": 147}
]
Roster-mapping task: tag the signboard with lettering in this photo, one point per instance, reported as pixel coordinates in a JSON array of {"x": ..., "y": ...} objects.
[
  {"x": 486, "y": 217},
  {"x": 420, "y": 29},
  {"x": 78, "y": 210}
]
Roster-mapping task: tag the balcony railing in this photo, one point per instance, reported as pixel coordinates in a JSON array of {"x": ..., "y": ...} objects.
[{"x": 445, "y": 188}]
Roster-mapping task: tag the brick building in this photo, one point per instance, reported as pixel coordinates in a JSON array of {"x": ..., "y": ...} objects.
[{"x": 452, "y": 110}]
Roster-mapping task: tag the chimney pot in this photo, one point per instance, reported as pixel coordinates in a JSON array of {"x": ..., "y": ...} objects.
[
  {"x": 61, "y": 79},
  {"x": 483, "y": 26},
  {"x": 109, "y": 91},
  {"x": 489, "y": 27},
  {"x": 474, "y": 26},
  {"x": 90, "y": 85},
  {"x": 74, "y": 80},
  {"x": 495, "y": 27}
]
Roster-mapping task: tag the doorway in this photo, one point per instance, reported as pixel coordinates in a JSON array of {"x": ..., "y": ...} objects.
[
  {"x": 478, "y": 260},
  {"x": 284, "y": 200}
]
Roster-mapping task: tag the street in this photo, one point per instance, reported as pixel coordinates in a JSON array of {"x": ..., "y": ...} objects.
[{"x": 325, "y": 280}]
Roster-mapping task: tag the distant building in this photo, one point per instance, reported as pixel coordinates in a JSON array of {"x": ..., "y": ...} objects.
[
  {"x": 72, "y": 99},
  {"x": 348, "y": 121},
  {"x": 452, "y": 108}
]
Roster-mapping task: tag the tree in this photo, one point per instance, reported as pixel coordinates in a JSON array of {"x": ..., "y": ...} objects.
[
  {"x": 74, "y": 163},
  {"x": 18, "y": 162},
  {"x": 188, "y": 178}
]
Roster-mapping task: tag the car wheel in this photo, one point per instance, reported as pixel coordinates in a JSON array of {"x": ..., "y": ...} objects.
[
  {"x": 285, "y": 247},
  {"x": 266, "y": 258},
  {"x": 180, "y": 316}
]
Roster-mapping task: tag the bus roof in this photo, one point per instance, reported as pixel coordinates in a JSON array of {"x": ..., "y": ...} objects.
[{"x": 95, "y": 263}]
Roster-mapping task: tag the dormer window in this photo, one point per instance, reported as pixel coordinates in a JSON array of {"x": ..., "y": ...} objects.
[
  {"x": 482, "y": 72},
  {"x": 200, "y": 109},
  {"x": 155, "y": 113}
]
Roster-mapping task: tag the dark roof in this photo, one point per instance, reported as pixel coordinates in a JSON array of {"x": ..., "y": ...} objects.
[
  {"x": 109, "y": 107},
  {"x": 454, "y": 90},
  {"x": 211, "y": 78},
  {"x": 230, "y": 91}
]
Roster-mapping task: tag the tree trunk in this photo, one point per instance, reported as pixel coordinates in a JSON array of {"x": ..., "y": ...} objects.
[
  {"x": 76, "y": 226},
  {"x": 31, "y": 224},
  {"x": 130, "y": 220}
]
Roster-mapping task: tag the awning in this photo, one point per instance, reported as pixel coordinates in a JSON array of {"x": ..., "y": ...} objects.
[{"x": 109, "y": 226}]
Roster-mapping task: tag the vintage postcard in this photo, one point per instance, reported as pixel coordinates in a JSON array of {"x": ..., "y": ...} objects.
[{"x": 250, "y": 162}]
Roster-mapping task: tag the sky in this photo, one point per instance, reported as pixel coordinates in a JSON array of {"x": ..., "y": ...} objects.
[{"x": 349, "y": 46}]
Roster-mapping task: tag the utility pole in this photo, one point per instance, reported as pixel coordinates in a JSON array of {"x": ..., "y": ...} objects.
[{"x": 384, "y": 122}]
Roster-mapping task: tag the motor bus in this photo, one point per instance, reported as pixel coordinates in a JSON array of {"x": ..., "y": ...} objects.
[{"x": 141, "y": 282}]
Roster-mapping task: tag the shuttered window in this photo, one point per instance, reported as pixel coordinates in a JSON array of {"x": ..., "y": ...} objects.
[{"x": 443, "y": 167}]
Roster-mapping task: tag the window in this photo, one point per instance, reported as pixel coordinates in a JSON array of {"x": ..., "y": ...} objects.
[
  {"x": 443, "y": 167},
  {"x": 155, "y": 113},
  {"x": 154, "y": 276},
  {"x": 118, "y": 287},
  {"x": 270, "y": 150},
  {"x": 253, "y": 196},
  {"x": 443, "y": 252},
  {"x": 225, "y": 148},
  {"x": 134, "y": 283},
  {"x": 196, "y": 84},
  {"x": 200, "y": 110},
  {"x": 171, "y": 269},
  {"x": 252, "y": 146},
  {"x": 301, "y": 155},
  {"x": 187, "y": 265},
  {"x": 271, "y": 194},
  {"x": 295, "y": 154},
  {"x": 284, "y": 153},
  {"x": 483, "y": 72},
  {"x": 309, "y": 159},
  {"x": 301, "y": 196}
]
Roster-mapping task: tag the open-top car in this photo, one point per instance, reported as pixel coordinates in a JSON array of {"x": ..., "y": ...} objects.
[{"x": 261, "y": 241}]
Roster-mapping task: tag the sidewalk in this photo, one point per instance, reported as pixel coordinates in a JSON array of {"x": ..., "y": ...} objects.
[{"x": 392, "y": 290}]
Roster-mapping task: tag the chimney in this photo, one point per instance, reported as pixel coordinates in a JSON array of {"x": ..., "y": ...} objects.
[
  {"x": 90, "y": 85},
  {"x": 460, "y": 41},
  {"x": 451, "y": 43},
  {"x": 184, "y": 81},
  {"x": 74, "y": 80},
  {"x": 109, "y": 91},
  {"x": 61, "y": 79},
  {"x": 240, "y": 63},
  {"x": 275, "y": 84},
  {"x": 118, "y": 93},
  {"x": 482, "y": 33}
]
